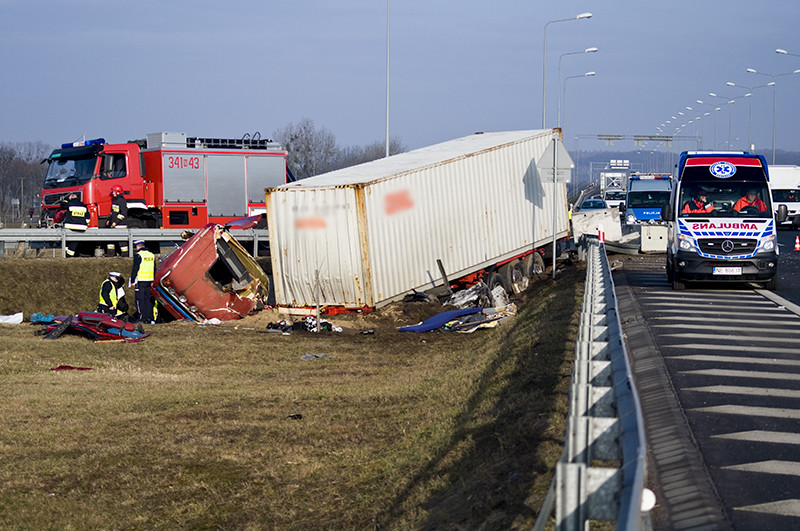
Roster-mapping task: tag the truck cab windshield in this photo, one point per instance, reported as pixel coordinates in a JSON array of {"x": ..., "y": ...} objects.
[
  {"x": 652, "y": 198},
  {"x": 70, "y": 172},
  {"x": 725, "y": 199}
]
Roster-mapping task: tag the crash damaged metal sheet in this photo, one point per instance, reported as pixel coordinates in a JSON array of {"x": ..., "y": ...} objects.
[{"x": 210, "y": 276}]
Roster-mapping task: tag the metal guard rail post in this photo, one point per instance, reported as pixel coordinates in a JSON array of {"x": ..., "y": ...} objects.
[
  {"x": 58, "y": 238},
  {"x": 601, "y": 473}
]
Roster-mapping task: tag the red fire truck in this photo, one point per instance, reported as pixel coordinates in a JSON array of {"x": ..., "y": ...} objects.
[{"x": 169, "y": 180}]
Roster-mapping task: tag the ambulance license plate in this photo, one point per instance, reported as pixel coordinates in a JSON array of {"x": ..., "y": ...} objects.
[{"x": 727, "y": 270}]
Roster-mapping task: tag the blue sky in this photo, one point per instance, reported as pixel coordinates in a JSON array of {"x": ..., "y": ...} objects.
[{"x": 121, "y": 70}]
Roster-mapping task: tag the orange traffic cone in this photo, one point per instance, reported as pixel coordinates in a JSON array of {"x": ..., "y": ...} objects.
[{"x": 797, "y": 243}]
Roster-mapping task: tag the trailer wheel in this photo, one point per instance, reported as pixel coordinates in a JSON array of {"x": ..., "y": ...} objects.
[
  {"x": 496, "y": 279},
  {"x": 536, "y": 266},
  {"x": 515, "y": 276}
]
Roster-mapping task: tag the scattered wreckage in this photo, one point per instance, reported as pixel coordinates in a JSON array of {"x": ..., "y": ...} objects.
[
  {"x": 211, "y": 276},
  {"x": 95, "y": 326}
]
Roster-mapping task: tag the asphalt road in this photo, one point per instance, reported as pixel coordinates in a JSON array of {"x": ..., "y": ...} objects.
[{"x": 717, "y": 369}]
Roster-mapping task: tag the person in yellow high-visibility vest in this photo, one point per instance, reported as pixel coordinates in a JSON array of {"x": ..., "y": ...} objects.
[
  {"x": 142, "y": 274},
  {"x": 112, "y": 296}
]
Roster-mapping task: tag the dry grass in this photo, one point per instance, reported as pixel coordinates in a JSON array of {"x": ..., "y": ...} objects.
[{"x": 191, "y": 427}]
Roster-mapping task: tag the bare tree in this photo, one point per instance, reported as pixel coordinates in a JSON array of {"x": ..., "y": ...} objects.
[
  {"x": 21, "y": 177},
  {"x": 311, "y": 151}
]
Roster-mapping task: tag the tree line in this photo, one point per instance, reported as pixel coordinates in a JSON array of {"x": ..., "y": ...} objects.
[
  {"x": 21, "y": 177},
  {"x": 311, "y": 150}
]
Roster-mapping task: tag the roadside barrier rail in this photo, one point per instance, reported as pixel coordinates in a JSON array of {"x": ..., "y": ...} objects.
[
  {"x": 601, "y": 473},
  {"x": 55, "y": 240}
]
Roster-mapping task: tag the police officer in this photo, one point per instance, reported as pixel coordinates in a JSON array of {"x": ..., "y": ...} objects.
[
  {"x": 118, "y": 218},
  {"x": 142, "y": 273},
  {"x": 76, "y": 219},
  {"x": 112, "y": 296}
]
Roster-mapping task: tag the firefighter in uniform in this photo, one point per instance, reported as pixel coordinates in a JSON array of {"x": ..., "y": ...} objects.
[
  {"x": 112, "y": 296},
  {"x": 76, "y": 219},
  {"x": 117, "y": 219},
  {"x": 142, "y": 273}
]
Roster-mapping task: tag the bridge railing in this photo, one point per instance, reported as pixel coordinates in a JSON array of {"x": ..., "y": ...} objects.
[
  {"x": 601, "y": 473},
  {"x": 55, "y": 240}
]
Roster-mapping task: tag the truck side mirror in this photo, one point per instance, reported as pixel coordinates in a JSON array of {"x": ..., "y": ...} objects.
[
  {"x": 622, "y": 207},
  {"x": 781, "y": 214}
]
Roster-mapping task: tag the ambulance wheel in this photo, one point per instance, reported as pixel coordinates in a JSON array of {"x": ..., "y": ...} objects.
[
  {"x": 669, "y": 270},
  {"x": 771, "y": 284},
  {"x": 677, "y": 283}
]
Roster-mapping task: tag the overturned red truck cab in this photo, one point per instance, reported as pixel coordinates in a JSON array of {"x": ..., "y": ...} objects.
[{"x": 211, "y": 276}]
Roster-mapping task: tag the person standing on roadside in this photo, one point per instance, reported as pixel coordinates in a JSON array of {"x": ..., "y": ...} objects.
[
  {"x": 76, "y": 219},
  {"x": 117, "y": 219},
  {"x": 142, "y": 274}
]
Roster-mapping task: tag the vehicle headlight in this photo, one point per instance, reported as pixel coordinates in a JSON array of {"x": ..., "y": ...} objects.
[
  {"x": 630, "y": 219},
  {"x": 768, "y": 243},
  {"x": 685, "y": 243}
]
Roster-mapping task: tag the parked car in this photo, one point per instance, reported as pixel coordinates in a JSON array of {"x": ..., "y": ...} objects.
[{"x": 593, "y": 203}]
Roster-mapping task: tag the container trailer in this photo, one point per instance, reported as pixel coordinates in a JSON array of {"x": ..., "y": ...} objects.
[{"x": 481, "y": 207}]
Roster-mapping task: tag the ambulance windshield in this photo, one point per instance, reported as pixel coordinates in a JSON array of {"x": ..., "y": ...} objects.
[{"x": 719, "y": 198}]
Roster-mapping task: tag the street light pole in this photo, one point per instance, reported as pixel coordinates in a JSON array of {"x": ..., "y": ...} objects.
[
  {"x": 784, "y": 52},
  {"x": 730, "y": 101},
  {"x": 387, "y": 78},
  {"x": 544, "y": 59},
  {"x": 587, "y": 50},
  {"x": 774, "y": 85},
  {"x": 750, "y": 108},
  {"x": 587, "y": 74}
]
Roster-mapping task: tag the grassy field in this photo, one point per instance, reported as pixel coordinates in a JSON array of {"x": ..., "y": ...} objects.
[{"x": 226, "y": 427}]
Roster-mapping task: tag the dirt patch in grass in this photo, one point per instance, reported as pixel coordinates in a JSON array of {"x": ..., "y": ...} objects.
[{"x": 226, "y": 426}]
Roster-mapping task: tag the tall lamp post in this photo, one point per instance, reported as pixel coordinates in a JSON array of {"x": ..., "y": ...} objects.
[
  {"x": 544, "y": 59},
  {"x": 387, "y": 78},
  {"x": 728, "y": 101},
  {"x": 749, "y": 95},
  {"x": 564, "y": 98},
  {"x": 784, "y": 52},
  {"x": 587, "y": 50},
  {"x": 774, "y": 84}
]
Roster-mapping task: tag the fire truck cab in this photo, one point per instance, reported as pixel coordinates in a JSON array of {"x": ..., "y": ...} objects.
[{"x": 168, "y": 179}]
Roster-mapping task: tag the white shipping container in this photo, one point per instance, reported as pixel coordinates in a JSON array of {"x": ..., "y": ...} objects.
[{"x": 370, "y": 234}]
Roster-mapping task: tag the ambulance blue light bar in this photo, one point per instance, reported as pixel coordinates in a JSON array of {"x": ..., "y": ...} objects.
[{"x": 92, "y": 142}]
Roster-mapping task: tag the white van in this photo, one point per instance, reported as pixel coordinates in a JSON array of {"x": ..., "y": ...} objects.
[
  {"x": 614, "y": 197},
  {"x": 784, "y": 180}
]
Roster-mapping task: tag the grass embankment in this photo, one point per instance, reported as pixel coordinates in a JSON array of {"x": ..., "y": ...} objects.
[{"x": 193, "y": 427}]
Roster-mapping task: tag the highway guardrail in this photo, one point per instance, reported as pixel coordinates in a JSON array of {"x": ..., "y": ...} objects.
[
  {"x": 601, "y": 473},
  {"x": 45, "y": 240}
]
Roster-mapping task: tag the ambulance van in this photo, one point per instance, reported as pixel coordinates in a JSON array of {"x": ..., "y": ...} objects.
[{"x": 720, "y": 220}]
